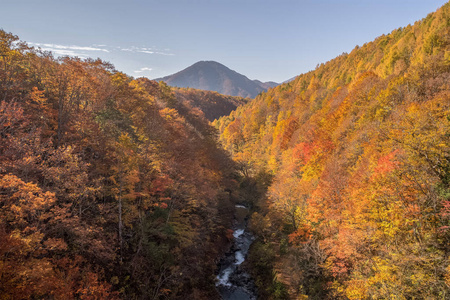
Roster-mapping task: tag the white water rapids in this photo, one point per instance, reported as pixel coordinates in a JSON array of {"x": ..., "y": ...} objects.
[{"x": 234, "y": 283}]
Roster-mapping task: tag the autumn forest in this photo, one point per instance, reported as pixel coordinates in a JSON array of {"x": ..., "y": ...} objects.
[{"x": 115, "y": 187}]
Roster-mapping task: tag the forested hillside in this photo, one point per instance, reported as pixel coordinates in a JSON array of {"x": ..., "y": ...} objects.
[
  {"x": 212, "y": 104},
  {"x": 109, "y": 186},
  {"x": 356, "y": 159}
]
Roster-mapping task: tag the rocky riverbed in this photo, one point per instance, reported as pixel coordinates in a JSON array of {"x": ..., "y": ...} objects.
[{"x": 233, "y": 282}]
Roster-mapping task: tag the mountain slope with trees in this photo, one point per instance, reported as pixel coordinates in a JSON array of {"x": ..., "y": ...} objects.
[
  {"x": 356, "y": 159},
  {"x": 109, "y": 187},
  {"x": 212, "y": 104}
]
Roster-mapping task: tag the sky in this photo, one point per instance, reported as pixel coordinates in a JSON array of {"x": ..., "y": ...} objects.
[{"x": 268, "y": 40}]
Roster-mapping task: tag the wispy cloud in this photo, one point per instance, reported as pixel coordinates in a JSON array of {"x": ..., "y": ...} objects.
[
  {"x": 161, "y": 53},
  {"x": 143, "y": 70},
  {"x": 70, "y": 50},
  {"x": 145, "y": 50},
  {"x": 99, "y": 50},
  {"x": 86, "y": 51}
]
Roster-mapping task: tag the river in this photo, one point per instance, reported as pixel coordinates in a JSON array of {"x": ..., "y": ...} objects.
[{"x": 233, "y": 282}]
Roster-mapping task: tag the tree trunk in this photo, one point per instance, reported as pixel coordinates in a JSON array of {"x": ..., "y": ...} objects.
[{"x": 120, "y": 216}]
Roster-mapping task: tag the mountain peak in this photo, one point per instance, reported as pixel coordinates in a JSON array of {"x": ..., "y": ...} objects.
[
  {"x": 208, "y": 62},
  {"x": 214, "y": 76}
]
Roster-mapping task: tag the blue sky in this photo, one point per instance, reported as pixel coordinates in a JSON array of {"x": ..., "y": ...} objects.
[{"x": 262, "y": 39}]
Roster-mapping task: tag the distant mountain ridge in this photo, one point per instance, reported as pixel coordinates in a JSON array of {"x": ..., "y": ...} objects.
[{"x": 213, "y": 76}]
